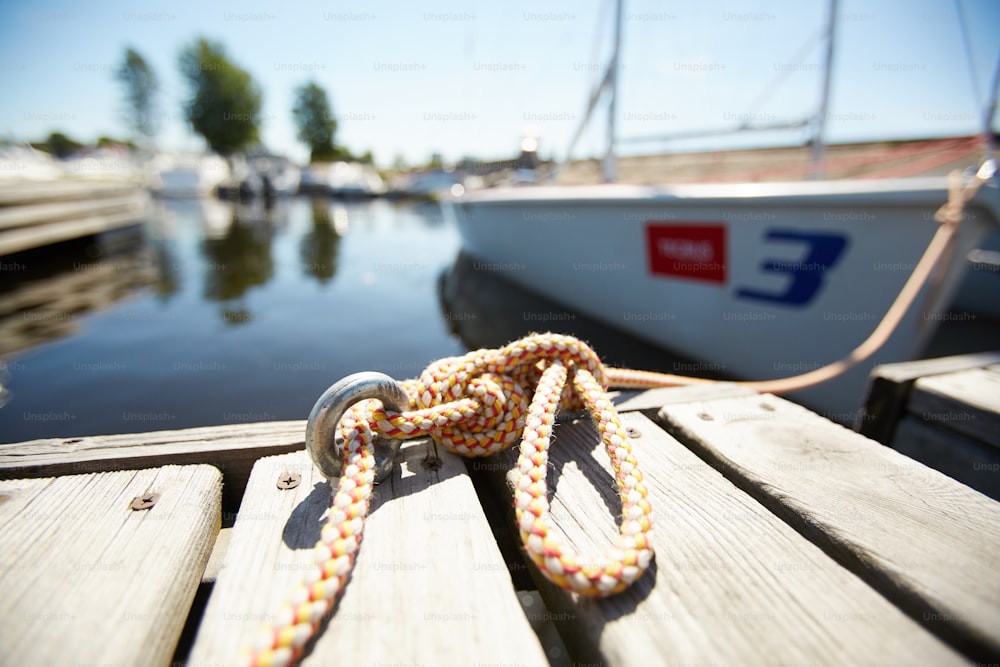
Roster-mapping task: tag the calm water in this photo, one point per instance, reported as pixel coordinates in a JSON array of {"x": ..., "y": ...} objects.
[
  {"x": 216, "y": 314},
  {"x": 213, "y": 314}
]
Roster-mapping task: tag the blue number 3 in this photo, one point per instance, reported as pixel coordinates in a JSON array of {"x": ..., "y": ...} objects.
[{"x": 806, "y": 275}]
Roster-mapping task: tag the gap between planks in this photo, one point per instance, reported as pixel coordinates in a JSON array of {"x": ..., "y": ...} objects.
[
  {"x": 927, "y": 542},
  {"x": 731, "y": 583},
  {"x": 87, "y": 580},
  {"x": 429, "y": 585}
]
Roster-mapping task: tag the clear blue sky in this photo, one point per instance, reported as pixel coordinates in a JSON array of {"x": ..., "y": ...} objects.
[{"x": 470, "y": 78}]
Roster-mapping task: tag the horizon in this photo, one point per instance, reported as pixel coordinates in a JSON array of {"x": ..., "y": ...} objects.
[{"x": 469, "y": 80}]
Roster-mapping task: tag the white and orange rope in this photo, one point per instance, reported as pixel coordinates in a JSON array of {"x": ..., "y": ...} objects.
[
  {"x": 477, "y": 405},
  {"x": 485, "y": 401}
]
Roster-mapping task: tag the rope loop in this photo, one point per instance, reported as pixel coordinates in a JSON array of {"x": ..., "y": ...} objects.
[
  {"x": 474, "y": 405},
  {"x": 633, "y": 550},
  {"x": 483, "y": 402}
]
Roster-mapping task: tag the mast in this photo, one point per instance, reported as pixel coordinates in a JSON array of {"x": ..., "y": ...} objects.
[
  {"x": 989, "y": 110},
  {"x": 610, "y": 166},
  {"x": 989, "y": 107},
  {"x": 824, "y": 103}
]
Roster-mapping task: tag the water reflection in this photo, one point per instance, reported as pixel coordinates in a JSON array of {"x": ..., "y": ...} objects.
[
  {"x": 318, "y": 247},
  {"x": 168, "y": 279},
  {"x": 237, "y": 261},
  {"x": 238, "y": 314},
  {"x": 430, "y": 213},
  {"x": 485, "y": 310},
  {"x": 48, "y": 290}
]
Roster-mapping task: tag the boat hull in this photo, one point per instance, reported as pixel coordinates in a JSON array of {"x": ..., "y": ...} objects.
[{"x": 760, "y": 281}]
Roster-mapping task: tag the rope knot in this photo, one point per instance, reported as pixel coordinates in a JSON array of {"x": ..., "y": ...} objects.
[{"x": 475, "y": 405}]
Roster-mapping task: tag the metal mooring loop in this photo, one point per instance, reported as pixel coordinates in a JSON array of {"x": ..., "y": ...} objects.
[{"x": 321, "y": 429}]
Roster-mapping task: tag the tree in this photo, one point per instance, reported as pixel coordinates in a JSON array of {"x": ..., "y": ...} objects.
[
  {"x": 224, "y": 103},
  {"x": 435, "y": 162},
  {"x": 111, "y": 142},
  {"x": 314, "y": 121},
  {"x": 60, "y": 145},
  {"x": 141, "y": 85}
]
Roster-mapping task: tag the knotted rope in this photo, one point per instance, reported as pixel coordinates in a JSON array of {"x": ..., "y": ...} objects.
[
  {"x": 483, "y": 402},
  {"x": 477, "y": 405}
]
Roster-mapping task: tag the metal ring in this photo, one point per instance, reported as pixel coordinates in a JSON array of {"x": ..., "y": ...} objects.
[{"x": 321, "y": 428}]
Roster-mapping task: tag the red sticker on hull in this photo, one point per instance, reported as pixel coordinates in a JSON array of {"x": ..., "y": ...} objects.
[{"x": 697, "y": 252}]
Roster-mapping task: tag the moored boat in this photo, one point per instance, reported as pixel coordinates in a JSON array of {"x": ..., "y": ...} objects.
[
  {"x": 348, "y": 180},
  {"x": 187, "y": 175},
  {"x": 761, "y": 280}
]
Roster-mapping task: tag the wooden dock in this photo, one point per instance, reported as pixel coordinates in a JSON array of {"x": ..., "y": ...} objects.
[
  {"x": 780, "y": 538},
  {"x": 943, "y": 412},
  {"x": 34, "y": 214}
]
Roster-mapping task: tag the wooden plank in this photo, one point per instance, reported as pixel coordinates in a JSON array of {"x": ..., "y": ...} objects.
[
  {"x": 969, "y": 461},
  {"x": 233, "y": 449},
  {"x": 26, "y": 238},
  {"x": 87, "y": 580},
  {"x": 651, "y": 400},
  {"x": 889, "y": 389},
  {"x": 929, "y": 543},
  {"x": 18, "y": 216},
  {"x": 731, "y": 584},
  {"x": 429, "y": 586},
  {"x": 29, "y": 192},
  {"x": 966, "y": 401}
]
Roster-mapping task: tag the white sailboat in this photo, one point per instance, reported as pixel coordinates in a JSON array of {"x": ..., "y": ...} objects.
[{"x": 759, "y": 280}]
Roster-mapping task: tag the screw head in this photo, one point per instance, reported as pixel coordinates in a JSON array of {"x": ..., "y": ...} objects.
[
  {"x": 633, "y": 432},
  {"x": 145, "y": 501},
  {"x": 288, "y": 480}
]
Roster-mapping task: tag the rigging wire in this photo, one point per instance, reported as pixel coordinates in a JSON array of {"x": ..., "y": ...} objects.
[
  {"x": 986, "y": 108},
  {"x": 970, "y": 59},
  {"x": 597, "y": 42},
  {"x": 800, "y": 54}
]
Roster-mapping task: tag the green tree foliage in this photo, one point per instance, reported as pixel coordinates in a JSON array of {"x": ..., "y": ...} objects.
[
  {"x": 111, "y": 142},
  {"x": 435, "y": 162},
  {"x": 60, "y": 145},
  {"x": 224, "y": 102},
  {"x": 238, "y": 261},
  {"x": 399, "y": 163},
  {"x": 314, "y": 121},
  {"x": 141, "y": 85},
  {"x": 319, "y": 246}
]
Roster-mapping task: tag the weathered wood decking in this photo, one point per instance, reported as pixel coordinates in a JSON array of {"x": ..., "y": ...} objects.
[
  {"x": 943, "y": 412},
  {"x": 780, "y": 538},
  {"x": 34, "y": 214},
  {"x": 87, "y": 579}
]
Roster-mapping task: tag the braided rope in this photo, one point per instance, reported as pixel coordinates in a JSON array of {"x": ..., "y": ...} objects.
[
  {"x": 483, "y": 402},
  {"x": 477, "y": 405}
]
